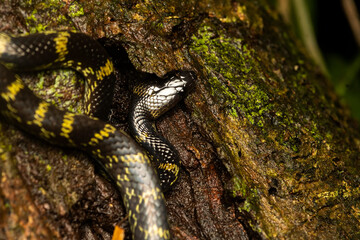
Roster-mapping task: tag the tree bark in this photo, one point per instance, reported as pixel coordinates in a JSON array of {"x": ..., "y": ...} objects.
[{"x": 267, "y": 150}]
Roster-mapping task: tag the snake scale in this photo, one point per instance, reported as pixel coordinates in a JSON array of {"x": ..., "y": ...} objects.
[{"x": 123, "y": 159}]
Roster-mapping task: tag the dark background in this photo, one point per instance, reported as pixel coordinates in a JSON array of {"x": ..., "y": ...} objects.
[
  {"x": 340, "y": 50},
  {"x": 336, "y": 42}
]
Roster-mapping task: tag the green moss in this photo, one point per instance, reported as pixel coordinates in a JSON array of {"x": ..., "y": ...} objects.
[
  {"x": 43, "y": 191},
  {"x": 31, "y": 20},
  {"x": 60, "y": 87},
  {"x": 48, "y": 167},
  {"x": 315, "y": 132},
  {"x": 41, "y": 161},
  {"x": 75, "y": 10},
  {"x": 8, "y": 206},
  {"x": 40, "y": 83},
  {"x": 229, "y": 65},
  {"x": 43, "y": 14},
  {"x": 343, "y": 189},
  {"x": 232, "y": 112},
  {"x": 65, "y": 158},
  {"x": 242, "y": 189}
]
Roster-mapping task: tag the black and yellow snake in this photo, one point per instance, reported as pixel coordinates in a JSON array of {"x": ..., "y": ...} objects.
[{"x": 125, "y": 162}]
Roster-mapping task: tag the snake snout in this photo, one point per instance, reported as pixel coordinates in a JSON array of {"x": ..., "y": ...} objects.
[{"x": 186, "y": 79}]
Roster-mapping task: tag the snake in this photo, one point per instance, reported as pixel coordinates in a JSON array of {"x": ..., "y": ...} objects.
[{"x": 129, "y": 165}]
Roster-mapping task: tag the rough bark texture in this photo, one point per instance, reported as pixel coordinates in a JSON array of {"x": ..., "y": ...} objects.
[{"x": 267, "y": 150}]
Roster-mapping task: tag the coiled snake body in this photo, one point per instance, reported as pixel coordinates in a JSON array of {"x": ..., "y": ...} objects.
[{"x": 122, "y": 158}]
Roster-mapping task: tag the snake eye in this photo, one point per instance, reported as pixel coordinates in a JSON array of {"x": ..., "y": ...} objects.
[
  {"x": 189, "y": 77},
  {"x": 182, "y": 81},
  {"x": 176, "y": 82}
]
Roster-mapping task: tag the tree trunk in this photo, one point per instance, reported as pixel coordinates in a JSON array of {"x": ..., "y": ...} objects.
[{"x": 267, "y": 151}]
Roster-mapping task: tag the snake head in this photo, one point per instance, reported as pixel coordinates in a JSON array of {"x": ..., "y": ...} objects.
[
  {"x": 156, "y": 97},
  {"x": 175, "y": 86},
  {"x": 178, "y": 82}
]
